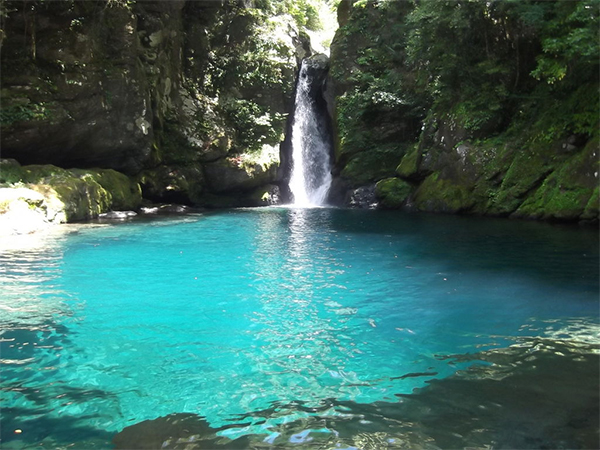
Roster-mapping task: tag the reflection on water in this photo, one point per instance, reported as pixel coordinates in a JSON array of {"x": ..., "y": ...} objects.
[{"x": 303, "y": 326}]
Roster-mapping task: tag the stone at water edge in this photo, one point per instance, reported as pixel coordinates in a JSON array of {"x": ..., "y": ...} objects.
[
  {"x": 117, "y": 215},
  {"x": 21, "y": 211}
]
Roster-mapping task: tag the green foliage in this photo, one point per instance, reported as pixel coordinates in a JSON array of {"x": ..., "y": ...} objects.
[
  {"x": 378, "y": 108},
  {"x": 304, "y": 12},
  {"x": 24, "y": 112},
  {"x": 253, "y": 124},
  {"x": 570, "y": 39},
  {"x": 249, "y": 67},
  {"x": 373, "y": 164},
  {"x": 508, "y": 68}
]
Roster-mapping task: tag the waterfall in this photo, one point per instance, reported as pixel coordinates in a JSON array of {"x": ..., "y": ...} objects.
[{"x": 311, "y": 149}]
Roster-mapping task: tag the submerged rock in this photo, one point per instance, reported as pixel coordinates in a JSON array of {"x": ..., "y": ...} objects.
[{"x": 175, "y": 431}]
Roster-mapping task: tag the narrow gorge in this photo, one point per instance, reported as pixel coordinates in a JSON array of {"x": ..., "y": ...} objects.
[
  {"x": 299, "y": 224},
  {"x": 112, "y": 105}
]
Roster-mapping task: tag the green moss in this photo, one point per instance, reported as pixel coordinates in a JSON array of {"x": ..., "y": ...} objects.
[
  {"x": 437, "y": 194},
  {"x": 524, "y": 174},
  {"x": 392, "y": 192},
  {"x": 566, "y": 194},
  {"x": 124, "y": 193},
  {"x": 369, "y": 166},
  {"x": 592, "y": 209},
  {"x": 83, "y": 198},
  {"x": 39, "y": 173},
  {"x": 78, "y": 194},
  {"x": 26, "y": 112},
  {"x": 409, "y": 166},
  {"x": 11, "y": 172}
]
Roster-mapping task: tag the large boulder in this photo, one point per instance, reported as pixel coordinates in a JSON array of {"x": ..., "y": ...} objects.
[
  {"x": 243, "y": 172},
  {"x": 22, "y": 211},
  {"x": 63, "y": 195}
]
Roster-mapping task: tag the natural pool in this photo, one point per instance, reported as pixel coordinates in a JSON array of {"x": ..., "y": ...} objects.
[{"x": 309, "y": 328}]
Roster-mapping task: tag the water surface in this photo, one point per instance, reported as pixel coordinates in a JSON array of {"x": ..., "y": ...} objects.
[{"x": 292, "y": 327}]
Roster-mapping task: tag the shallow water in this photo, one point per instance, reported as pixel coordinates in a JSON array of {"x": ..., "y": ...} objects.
[{"x": 291, "y": 327}]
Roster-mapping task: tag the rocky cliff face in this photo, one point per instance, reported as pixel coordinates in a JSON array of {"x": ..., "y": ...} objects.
[
  {"x": 431, "y": 117},
  {"x": 190, "y": 99},
  {"x": 460, "y": 107}
]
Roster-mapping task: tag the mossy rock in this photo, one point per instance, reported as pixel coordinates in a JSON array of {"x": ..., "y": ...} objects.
[
  {"x": 11, "y": 172},
  {"x": 567, "y": 193},
  {"x": 42, "y": 173},
  {"x": 87, "y": 193},
  {"x": 74, "y": 199},
  {"x": 77, "y": 194},
  {"x": 73, "y": 196},
  {"x": 373, "y": 165},
  {"x": 409, "y": 166},
  {"x": 525, "y": 173},
  {"x": 392, "y": 193},
  {"x": 592, "y": 209},
  {"x": 436, "y": 194},
  {"x": 125, "y": 194},
  {"x": 22, "y": 211},
  {"x": 236, "y": 174}
]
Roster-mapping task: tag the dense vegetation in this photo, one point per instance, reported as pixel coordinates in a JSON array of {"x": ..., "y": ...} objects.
[
  {"x": 428, "y": 83},
  {"x": 487, "y": 107},
  {"x": 189, "y": 98}
]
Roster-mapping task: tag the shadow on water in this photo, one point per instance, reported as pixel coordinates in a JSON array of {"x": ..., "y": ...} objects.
[
  {"x": 28, "y": 403},
  {"x": 553, "y": 253},
  {"x": 23, "y": 429},
  {"x": 536, "y": 394}
]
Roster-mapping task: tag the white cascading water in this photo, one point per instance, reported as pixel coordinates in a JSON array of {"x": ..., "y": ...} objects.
[{"x": 311, "y": 162}]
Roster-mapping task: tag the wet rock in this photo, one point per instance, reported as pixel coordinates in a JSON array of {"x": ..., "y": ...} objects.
[
  {"x": 317, "y": 68},
  {"x": 169, "y": 209},
  {"x": 266, "y": 195},
  {"x": 362, "y": 197},
  {"x": 117, "y": 215}
]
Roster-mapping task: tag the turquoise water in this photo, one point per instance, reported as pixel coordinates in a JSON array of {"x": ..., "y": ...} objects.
[{"x": 240, "y": 316}]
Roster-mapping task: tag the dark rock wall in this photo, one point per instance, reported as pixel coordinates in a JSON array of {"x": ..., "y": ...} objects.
[
  {"x": 159, "y": 90},
  {"x": 85, "y": 83}
]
